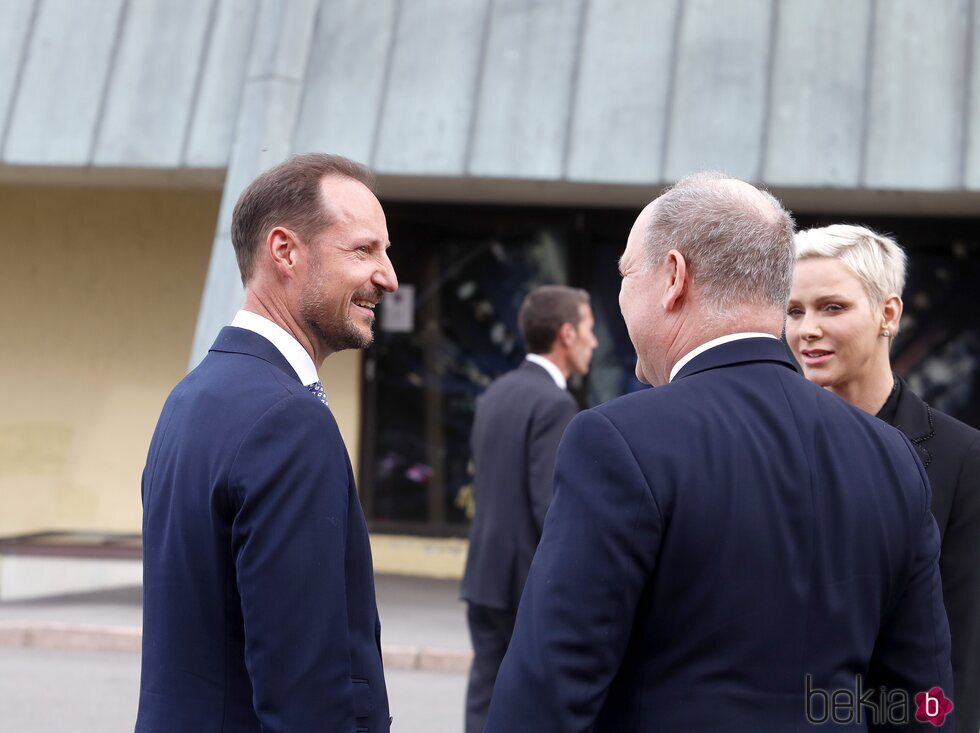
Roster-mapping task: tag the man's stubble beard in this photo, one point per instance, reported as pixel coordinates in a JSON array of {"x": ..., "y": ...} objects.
[{"x": 335, "y": 334}]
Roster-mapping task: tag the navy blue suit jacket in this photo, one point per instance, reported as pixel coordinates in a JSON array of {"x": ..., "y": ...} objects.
[
  {"x": 712, "y": 542},
  {"x": 516, "y": 431},
  {"x": 259, "y": 609}
]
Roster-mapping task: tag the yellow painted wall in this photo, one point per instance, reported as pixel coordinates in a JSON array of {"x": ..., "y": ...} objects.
[
  {"x": 432, "y": 557},
  {"x": 341, "y": 378},
  {"x": 99, "y": 292}
]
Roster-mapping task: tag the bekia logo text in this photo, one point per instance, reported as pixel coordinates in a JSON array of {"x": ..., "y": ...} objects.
[{"x": 878, "y": 706}]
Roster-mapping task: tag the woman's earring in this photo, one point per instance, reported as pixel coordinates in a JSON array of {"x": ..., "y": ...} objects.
[{"x": 886, "y": 333}]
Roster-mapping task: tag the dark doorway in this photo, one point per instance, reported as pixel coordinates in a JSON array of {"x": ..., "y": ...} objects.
[{"x": 470, "y": 267}]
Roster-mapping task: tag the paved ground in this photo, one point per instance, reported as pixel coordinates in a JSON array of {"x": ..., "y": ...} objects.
[
  {"x": 414, "y": 611},
  {"x": 421, "y": 611},
  {"x": 51, "y": 691},
  {"x": 45, "y": 691},
  {"x": 59, "y": 690}
]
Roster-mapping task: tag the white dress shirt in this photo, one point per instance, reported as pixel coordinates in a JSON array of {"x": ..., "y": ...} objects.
[
  {"x": 298, "y": 357},
  {"x": 549, "y": 366},
  {"x": 710, "y": 345}
]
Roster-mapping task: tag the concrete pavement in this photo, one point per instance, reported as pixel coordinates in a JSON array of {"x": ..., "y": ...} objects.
[
  {"x": 423, "y": 623},
  {"x": 57, "y": 691}
]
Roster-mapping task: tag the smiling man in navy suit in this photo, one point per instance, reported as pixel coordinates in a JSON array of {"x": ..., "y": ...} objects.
[
  {"x": 259, "y": 608},
  {"x": 723, "y": 543}
]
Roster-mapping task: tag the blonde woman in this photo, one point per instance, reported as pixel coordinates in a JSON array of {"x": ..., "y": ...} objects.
[{"x": 844, "y": 311}]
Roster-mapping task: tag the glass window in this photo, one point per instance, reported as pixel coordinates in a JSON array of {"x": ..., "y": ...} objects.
[{"x": 470, "y": 267}]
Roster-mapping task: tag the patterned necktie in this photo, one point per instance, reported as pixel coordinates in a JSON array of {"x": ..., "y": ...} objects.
[{"x": 317, "y": 389}]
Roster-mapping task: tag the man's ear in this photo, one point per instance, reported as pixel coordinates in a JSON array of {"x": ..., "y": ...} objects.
[
  {"x": 282, "y": 246},
  {"x": 891, "y": 313},
  {"x": 677, "y": 280},
  {"x": 566, "y": 334}
]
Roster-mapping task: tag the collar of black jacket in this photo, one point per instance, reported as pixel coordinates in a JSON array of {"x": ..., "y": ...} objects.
[{"x": 914, "y": 418}]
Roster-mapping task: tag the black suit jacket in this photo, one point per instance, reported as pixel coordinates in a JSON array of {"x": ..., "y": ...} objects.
[
  {"x": 518, "y": 424},
  {"x": 714, "y": 541},
  {"x": 259, "y": 611},
  {"x": 950, "y": 452}
]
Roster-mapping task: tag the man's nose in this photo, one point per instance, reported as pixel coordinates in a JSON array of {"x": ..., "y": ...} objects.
[{"x": 384, "y": 277}]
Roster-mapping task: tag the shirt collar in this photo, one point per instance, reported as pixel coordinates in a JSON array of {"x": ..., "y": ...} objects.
[
  {"x": 710, "y": 345},
  {"x": 298, "y": 357},
  {"x": 549, "y": 366}
]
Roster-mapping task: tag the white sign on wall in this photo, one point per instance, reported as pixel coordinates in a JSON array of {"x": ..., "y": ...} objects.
[{"x": 398, "y": 310}]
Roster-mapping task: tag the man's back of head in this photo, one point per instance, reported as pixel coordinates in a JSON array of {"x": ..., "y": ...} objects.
[
  {"x": 711, "y": 256},
  {"x": 556, "y": 322},
  {"x": 737, "y": 550}
]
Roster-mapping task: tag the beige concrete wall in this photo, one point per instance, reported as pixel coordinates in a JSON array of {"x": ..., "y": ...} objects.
[
  {"x": 341, "y": 377},
  {"x": 99, "y": 294}
]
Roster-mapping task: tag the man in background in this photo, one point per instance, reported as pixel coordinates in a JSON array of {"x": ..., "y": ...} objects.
[
  {"x": 519, "y": 422},
  {"x": 729, "y": 550},
  {"x": 259, "y": 610}
]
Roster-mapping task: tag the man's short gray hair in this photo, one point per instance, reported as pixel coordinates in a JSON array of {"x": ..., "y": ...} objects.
[{"x": 738, "y": 246}]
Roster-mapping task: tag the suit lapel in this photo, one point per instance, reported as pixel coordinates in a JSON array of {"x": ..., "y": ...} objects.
[{"x": 914, "y": 418}]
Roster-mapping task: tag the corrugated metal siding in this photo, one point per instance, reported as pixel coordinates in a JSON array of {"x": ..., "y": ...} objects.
[
  {"x": 719, "y": 113},
  {"x": 851, "y": 94},
  {"x": 219, "y": 85},
  {"x": 63, "y": 72},
  {"x": 918, "y": 95},
  {"x": 527, "y": 89},
  {"x": 625, "y": 83},
  {"x": 819, "y": 87},
  {"x": 345, "y": 78}
]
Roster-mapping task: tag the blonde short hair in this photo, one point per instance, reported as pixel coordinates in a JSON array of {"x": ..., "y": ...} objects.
[{"x": 878, "y": 261}]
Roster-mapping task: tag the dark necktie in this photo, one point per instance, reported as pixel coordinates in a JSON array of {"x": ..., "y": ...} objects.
[{"x": 317, "y": 389}]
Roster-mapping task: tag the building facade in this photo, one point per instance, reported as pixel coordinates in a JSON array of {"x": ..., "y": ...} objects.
[{"x": 514, "y": 140}]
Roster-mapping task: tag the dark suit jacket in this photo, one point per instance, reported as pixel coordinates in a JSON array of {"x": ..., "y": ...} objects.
[
  {"x": 950, "y": 452},
  {"x": 259, "y": 610},
  {"x": 711, "y": 543},
  {"x": 518, "y": 424}
]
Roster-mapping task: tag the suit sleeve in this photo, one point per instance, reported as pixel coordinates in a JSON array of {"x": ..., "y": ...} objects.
[
  {"x": 598, "y": 549},
  {"x": 912, "y": 651},
  {"x": 289, "y": 541},
  {"x": 546, "y": 430},
  {"x": 960, "y": 566}
]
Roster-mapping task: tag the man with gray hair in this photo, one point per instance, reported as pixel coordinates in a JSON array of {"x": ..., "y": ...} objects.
[{"x": 736, "y": 549}]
